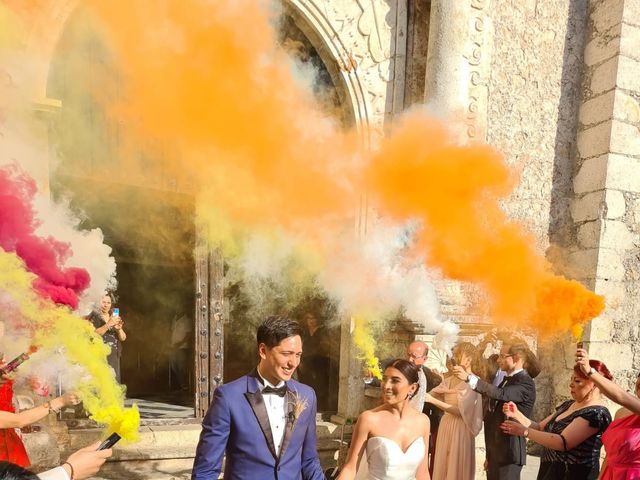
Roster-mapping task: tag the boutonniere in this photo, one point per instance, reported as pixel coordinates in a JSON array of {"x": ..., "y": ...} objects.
[{"x": 296, "y": 405}]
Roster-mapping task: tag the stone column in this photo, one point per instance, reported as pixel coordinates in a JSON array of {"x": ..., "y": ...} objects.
[
  {"x": 606, "y": 207},
  {"x": 458, "y": 62},
  {"x": 447, "y": 69}
]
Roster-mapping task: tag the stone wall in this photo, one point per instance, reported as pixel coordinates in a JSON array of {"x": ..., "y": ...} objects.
[
  {"x": 534, "y": 93},
  {"x": 607, "y": 183}
]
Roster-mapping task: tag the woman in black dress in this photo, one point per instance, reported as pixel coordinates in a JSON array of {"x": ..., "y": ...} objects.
[
  {"x": 111, "y": 328},
  {"x": 572, "y": 436}
]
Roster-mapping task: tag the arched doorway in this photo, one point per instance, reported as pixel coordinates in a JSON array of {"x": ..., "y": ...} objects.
[{"x": 142, "y": 214}]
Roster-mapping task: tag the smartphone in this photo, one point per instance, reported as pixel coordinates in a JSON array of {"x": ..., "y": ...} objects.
[
  {"x": 116, "y": 312},
  {"x": 453, "y": 361},
  {"x": 109, "y": 442},
  {"x": 580, "y": 345}
]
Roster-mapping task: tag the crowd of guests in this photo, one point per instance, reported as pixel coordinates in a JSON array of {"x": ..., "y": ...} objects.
[
  {"x": 86, "y": 462},
  {"x": 500, "y": 393},
  {"x": 428, "y": 420}
]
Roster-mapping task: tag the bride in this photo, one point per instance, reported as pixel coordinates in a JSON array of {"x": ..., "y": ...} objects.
[{"x": 393, "y": 437}]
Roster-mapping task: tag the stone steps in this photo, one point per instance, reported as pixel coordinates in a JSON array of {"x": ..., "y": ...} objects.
[{"x": 167, "y": 451}]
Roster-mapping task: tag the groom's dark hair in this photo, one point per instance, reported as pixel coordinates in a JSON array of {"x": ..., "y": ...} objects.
[{"x": 276, "y": 328}]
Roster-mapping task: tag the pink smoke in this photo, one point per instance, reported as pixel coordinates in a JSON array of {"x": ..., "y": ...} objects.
[{"x": 42, "y": 256}]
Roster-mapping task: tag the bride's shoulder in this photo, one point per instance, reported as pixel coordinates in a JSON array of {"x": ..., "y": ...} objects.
[{"x": 419, "y": 418}]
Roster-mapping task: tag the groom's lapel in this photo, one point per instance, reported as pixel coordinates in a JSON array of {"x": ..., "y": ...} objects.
[
  {"x": 254, "y": 396},
  {"x": 290, "y": 420}
]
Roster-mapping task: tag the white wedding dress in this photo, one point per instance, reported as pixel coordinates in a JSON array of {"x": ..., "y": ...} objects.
[{"x": 385, "y": 460}]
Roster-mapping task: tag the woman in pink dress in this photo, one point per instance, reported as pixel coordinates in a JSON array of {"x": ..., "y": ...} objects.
[
  {"x": 622, "y": 439},
  {"x": 455, "y": 457}
]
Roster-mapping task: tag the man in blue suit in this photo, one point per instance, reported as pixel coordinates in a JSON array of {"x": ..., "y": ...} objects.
[{"x": 264, "y": 422}]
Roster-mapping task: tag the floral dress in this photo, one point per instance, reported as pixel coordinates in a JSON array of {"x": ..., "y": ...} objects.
[{"x": 11, "y": 446}]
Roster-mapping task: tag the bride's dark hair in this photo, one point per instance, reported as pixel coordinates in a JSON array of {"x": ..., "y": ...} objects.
[{"x": 406, "y": 368}]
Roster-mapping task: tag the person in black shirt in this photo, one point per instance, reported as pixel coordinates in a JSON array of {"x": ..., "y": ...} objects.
[{"x": 572, "y": 435}]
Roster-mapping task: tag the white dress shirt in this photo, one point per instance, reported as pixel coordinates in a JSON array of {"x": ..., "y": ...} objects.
[
  {"x": 276, "y": 411},
  {"x": 57, "y": 473},
  {"x": 473, "y": 379}
]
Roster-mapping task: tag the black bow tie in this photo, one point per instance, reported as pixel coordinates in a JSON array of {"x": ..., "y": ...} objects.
[{"x": 280, "y": 391}]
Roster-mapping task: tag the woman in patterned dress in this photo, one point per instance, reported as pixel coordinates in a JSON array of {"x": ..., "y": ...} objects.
[{"x": 572, "y": 435}]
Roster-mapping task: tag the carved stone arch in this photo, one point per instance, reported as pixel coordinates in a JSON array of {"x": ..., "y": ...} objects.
[
  {"x": 45, "y": 32},
  {"x": 336, "y": 57}
]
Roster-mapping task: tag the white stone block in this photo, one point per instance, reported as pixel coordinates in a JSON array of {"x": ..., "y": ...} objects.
[
  {"x": 615, "y": 203},
  {"x": 609, "y": 234},
  {"x": 628, "y": 77},
  {"x": 625, "y": 139},
  {"x": 607, "y": 14},
  {"x": 631, "y": 11},
  {"x": 604, "y": 76},
  {"x": 623, "y": 173},
  {"x": 615, "y": 235},
  {"x": 589, "y": 234},
  {"x": 594, "y": 140},
  {"x": 600, "y": 330},
  {"x": 592, "y": 175},
  {"x": 588, "y": 207},
  {"x": 610, "y": 266},
  {"x": 597, "y": 109},
  {"x": 602, "y": 47},
  {"x": 626, "y": 107},
  {"x": 618, "y": 357},
  {"x": 614, "y": 292},
  {"x": 630, "y": 40}
]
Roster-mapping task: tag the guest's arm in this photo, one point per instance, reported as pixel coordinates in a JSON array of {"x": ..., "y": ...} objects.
[
  {"x": 574, "y": 434},
  {"x": 606, "y": 386},
  {"x": 510, "y": 410},
  {"x": 27, "y": 417},
  {"x": 119, "y": 328},
  {"x": 453, "y": 409},
  {"x": 518, "y": 392}
]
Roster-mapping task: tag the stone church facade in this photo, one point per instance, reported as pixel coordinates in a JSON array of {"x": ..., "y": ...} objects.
[{"x": 551, "y": 84}]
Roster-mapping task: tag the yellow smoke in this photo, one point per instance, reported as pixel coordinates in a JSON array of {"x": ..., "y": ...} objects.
[
  {"x": 366, "y": 344},
  {"x": 54, "y": 326}
]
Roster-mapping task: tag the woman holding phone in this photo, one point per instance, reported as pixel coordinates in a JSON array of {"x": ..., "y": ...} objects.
[{"x": 110, "y": 326}]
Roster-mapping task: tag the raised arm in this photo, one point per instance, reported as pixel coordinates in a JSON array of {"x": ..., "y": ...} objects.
[
  {"x": 357, "y": 448},
  {"x": 606, "y": 386},
  {"x": 453, "y": 409},
  {"x": 511, "y": 393}
]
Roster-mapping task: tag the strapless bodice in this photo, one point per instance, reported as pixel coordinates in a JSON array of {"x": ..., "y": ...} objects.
[{"x": 387, "y": 461}]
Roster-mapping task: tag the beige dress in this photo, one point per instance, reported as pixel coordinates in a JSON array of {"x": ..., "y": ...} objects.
[{"x": 455, "y": 457}]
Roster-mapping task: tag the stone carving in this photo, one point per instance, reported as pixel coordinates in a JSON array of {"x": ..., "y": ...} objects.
[
  {"x": 478, "y": 57},
  {"x": 372, "y": 24}
]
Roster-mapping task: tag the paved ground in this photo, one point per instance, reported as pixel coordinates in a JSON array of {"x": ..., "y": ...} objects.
[{"x": 530, "y": 470}]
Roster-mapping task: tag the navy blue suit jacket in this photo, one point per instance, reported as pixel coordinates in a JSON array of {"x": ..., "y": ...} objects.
[{"x": 237, "y": 425}]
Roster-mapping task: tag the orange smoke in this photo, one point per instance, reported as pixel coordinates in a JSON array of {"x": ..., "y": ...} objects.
[
  {"x": 204, "y": 80},
  {"x": 456, "y": 191},
  {"x": 207, "y": 77}
]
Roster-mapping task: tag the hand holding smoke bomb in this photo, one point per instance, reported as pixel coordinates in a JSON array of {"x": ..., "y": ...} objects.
[
  {"x": 110, "y": 441},
  {"x": 16, "y": 362},
  {"x": 86, "y": 462}
]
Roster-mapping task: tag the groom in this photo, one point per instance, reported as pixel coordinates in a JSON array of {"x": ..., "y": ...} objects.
[{"x": 264, "y": 422}]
